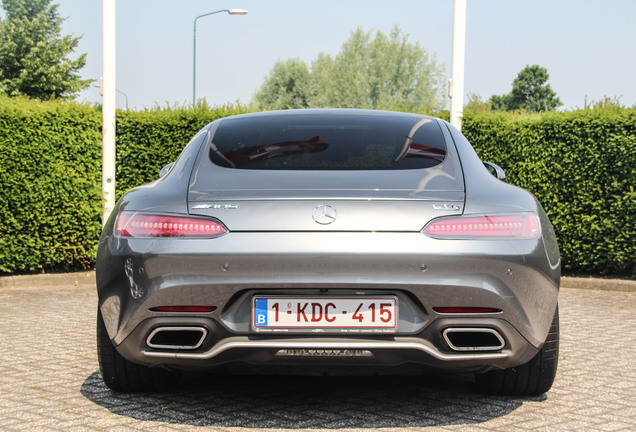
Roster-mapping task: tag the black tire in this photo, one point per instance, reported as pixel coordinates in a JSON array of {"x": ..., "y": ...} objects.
[
  {"x": 529, "y": 379},
  {"x": 124, "y": 376}
]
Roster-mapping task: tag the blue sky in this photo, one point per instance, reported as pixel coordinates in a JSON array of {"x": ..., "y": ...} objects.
[{"x": 588, "y": 46}]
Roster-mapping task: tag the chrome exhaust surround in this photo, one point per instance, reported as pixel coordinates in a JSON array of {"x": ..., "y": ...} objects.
[
  {"x": 244, "y": 342},
  {"x": 473, "y": 339},
  {"x": 177, "y": 338}
]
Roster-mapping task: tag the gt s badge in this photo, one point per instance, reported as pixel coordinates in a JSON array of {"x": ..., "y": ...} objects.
[
  {"x": 215, "y": 206},
  {"x": 446, "y": 207}
]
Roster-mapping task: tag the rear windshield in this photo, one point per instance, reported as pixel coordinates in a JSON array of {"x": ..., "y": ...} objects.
[{"x": 328, "y": 142}]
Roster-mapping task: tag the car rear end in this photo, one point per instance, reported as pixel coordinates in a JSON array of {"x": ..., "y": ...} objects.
[{"x": 330, "y": 240}]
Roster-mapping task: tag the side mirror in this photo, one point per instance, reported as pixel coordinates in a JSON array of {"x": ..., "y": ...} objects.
[
  {"x": 165, "y": 170},
  {"x": 495, "y": 170}
]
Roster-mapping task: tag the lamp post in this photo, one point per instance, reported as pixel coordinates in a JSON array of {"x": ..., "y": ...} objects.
[
  {"x": 125, "y": 95},
  {"x": 108, "y": 106},
  {"x": 101, "y": 92},
  {"x": 194, "y": 46},
  {"x": 456, "y": 88}
]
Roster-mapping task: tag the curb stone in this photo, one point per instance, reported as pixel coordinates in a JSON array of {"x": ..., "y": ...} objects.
[
  {"x": 88, "y": 278},
  {"x": 599, "y": 284},
  {"x": 47, "y": 280}
]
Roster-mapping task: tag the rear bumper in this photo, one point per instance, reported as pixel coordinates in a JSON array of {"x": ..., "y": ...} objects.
[
  {"x": 514, "y": 277},
  {"x": 427, "y": 349}
]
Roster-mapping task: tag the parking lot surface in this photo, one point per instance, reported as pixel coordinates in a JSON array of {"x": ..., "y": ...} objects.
[{"x": 49, "y": 381}]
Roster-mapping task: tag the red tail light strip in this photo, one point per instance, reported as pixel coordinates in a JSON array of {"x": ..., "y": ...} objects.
[
  {"x": 131, "y": 224},
  {"x": 465, "y": 310},
  {"x": 183, "y": 309},
  {"x": 512, "y": 226}
]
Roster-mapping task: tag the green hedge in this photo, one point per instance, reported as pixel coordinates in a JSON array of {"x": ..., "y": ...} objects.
[
  {"x": 50, "y": 185},
  {"x": 50, "y": 174},
  {"x": 148, "y": 140},
  {"x": 581, "y": 165}
]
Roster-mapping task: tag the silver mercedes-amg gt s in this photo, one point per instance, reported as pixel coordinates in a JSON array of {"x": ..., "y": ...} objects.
[{"x": 329, "y": 240}]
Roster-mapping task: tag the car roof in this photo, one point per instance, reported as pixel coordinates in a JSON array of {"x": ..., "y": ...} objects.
[{"x": 329, "y": 111}]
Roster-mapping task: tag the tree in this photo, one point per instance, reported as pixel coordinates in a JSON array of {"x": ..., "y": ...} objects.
[
  {"x": 529, "y": 92},
  {"x": 369, "y": 72},
  {"x": 33, "y": 56},
  {"x": 287, "y": 86},
  {"x": 477, "y": 104}
]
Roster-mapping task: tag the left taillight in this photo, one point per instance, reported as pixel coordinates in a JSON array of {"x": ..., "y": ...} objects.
[{"x": 131, "y": 224}]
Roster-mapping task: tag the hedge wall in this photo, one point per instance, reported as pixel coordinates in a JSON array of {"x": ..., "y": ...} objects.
[
  {"x": 148, "y": 140},
  {"x": 50, "y": 185},
  {"x": 50, "y": 174},
  {"x": 581, "y": 165}
]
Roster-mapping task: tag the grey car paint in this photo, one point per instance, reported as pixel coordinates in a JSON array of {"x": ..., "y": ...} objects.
[{"x": 374, "y": 247}]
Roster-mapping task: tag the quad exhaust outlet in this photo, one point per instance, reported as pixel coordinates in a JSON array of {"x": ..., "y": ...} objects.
[
  {"x": 473, "y": 339},
  {"x": 177, "y": 338}
]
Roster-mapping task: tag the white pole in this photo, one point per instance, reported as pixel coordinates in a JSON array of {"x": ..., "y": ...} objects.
[
  {"x": 456, "y": 90},
  {"x": 108, "y": 106}
]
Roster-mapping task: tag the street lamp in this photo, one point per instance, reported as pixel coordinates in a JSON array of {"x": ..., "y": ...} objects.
[
  {"x": 194, "y": 46},
  {"x": 125, "y": 95},
  {"x": 101, "y": 92},
  {"x": 456, "y": 88}
]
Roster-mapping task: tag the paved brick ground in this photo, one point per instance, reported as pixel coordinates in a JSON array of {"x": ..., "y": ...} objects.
[{"x": 49, "y": 381}]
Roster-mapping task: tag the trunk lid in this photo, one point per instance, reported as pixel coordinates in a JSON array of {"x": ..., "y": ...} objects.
[
  {"x": 327, "y": 200},
  {"x": 327, "y": 170}
]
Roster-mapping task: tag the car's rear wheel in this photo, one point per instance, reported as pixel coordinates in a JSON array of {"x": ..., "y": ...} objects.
[
  {"x": 124, "y": 376},
  {"x": 532, "y": 378}
]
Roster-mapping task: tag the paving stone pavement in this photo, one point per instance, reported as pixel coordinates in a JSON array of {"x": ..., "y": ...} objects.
[{"x": 49, "y": 381}]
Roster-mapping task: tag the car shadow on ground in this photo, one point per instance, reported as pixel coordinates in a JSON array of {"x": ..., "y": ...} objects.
[{"x": 276, "y": 402}]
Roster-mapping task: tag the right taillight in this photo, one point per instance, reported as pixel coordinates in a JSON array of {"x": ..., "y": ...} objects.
[{"x": 497, "y": 226}]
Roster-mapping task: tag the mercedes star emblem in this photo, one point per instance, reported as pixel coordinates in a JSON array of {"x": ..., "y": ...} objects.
[{"x": 324, "y": 214}]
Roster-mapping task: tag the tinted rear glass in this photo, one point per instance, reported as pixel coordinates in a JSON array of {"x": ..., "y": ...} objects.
[{"x": 328, "y": 142}]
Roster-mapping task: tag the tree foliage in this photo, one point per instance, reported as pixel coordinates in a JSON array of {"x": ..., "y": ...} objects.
[
  {"x": 529, "y": 92},
  {"x": 477, "y": 104},
  {"x": 33, "y": 55},
  {"x": 370, "y": 71},
  {"x": 287, "y": 86}
]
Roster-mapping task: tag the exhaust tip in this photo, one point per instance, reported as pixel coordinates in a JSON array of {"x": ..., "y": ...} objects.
[
  {"x": 177, "y": 338},
  {"x": 473, "y": 339}
]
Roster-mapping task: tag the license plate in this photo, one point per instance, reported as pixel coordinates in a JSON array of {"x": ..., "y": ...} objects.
[{"x": 325, "y": 313}]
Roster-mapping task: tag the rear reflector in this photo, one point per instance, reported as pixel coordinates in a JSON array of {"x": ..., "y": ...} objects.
[
  {"x": 183, "y": 309},
  {"x": 512, "y": 226},
  {"x": 131, "y": 224},
  {"x": 465, "y": 310}
]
